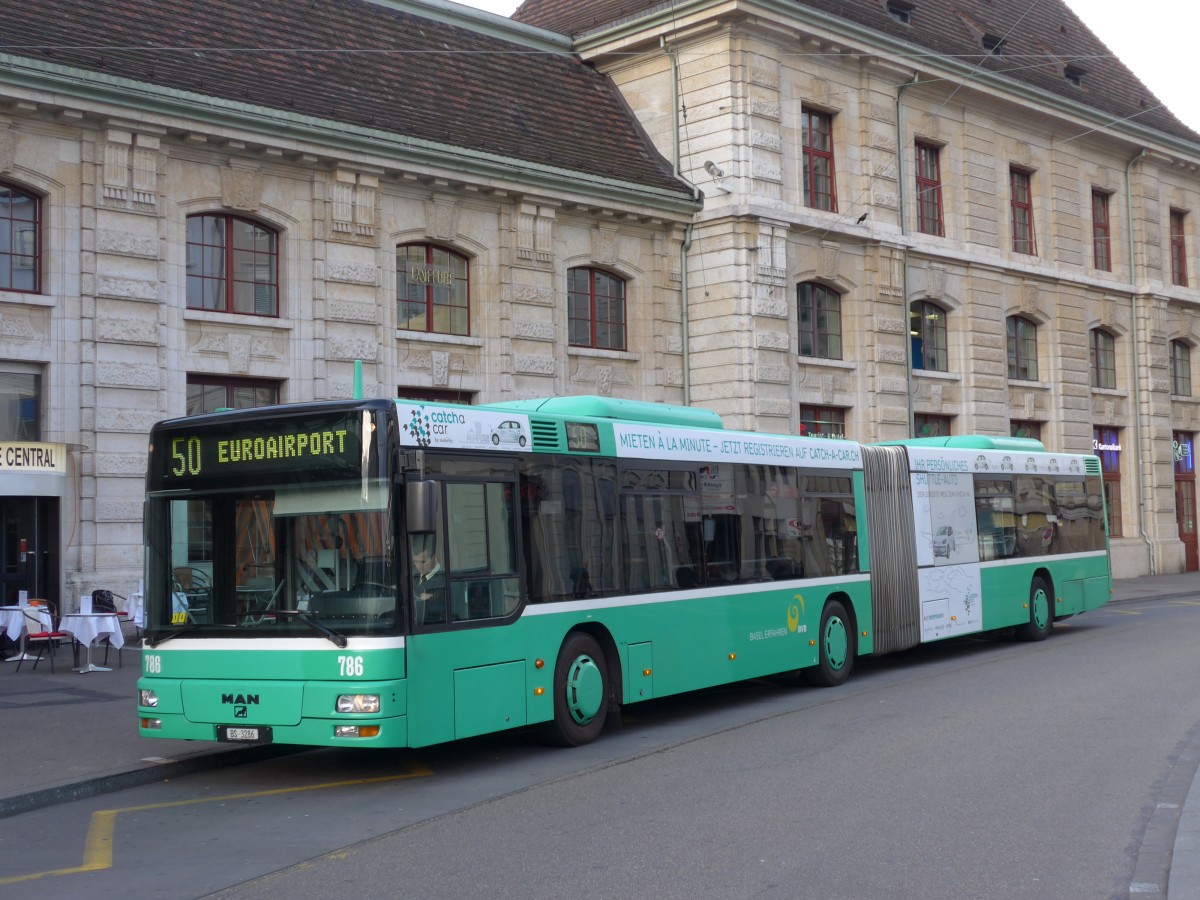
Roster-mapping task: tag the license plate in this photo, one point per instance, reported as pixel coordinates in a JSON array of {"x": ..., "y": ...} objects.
[{"x": 241, "y": 735}]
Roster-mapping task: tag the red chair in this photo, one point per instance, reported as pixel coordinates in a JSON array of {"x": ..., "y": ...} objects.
[{"x": 46, "y": 641}]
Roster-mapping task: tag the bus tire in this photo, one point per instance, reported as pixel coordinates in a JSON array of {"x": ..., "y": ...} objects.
[
  {"x": 581, "y": 692},
  {"x": 1041, "y": 612},
  {"x": 835, "y": 648}
]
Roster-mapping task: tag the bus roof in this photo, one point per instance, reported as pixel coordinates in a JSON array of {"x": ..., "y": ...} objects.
[
  {"x": 975, "y": 442},
  {"x": 614, "y": 408}
]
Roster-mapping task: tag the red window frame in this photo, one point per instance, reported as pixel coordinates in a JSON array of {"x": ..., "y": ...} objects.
[
  {"x": 822, "y": 422},
  {"x": 931, "y": 425},
  {"x": 21, "y": 225},
  {"x": 1103, "y": 359},
  {"x": 929, "y": 333},
  {"x": 1021, "y": 201},
  {"x": 1101, "y": 235},
  {"x": 1022, "y": 349},
  {"x": 596, "y": 308},
  {"x": 218, "y": 262},
  {"x": 439, "y": 302},
  {"x": 1181, "y": 369},
  {"x": 929, "y": 189},
  {"x": 820, "y": 186},
  {"x": 1025, "y": 429},
  {"x": 235, "y": 393},
  {"x": 1179, "y": 270},
  {"x": 819, "y": 321}
]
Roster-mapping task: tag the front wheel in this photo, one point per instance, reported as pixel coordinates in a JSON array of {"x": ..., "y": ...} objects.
[
  {"x": 1041, "y": 613},
  {"x": 580, "y": 692},
  {"x": 836, "y": 648}
]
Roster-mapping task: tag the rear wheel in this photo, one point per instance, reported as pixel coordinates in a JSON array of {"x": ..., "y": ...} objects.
[
  {"x": 1041, "y": 613},
  {"x": 836, "y": 648},
  {"x": 580, "y": 692}
]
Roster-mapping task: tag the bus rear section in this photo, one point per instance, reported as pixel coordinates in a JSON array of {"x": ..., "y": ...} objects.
[{"x": 1001, "y": 535}]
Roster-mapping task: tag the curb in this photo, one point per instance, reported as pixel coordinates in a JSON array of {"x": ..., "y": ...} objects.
[{"x": 149, "y": 774}]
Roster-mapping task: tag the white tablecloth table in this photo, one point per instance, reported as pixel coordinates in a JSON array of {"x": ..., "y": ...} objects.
[
  {"x": 87, "y": 628},
  {"x": 135, "y": 608},
  {"x": 17, "y": 621}
]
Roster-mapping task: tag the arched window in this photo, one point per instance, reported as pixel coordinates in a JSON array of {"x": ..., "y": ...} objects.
[
  {"x": 927, "y": 328},
  {"x": 20, "y": 240},
  {"x": 1181, "y": 369},
  {"x": 595, "y": 309},
  {"x": 433, "y": 290},
  {"x": 232, "y": 265},
  {"x": 819, "y": 318},
  {"x": 1102, "y": 351},
  {"x": 1022, "y": 349}
]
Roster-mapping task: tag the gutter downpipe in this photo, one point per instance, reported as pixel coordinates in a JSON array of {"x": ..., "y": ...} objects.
[
  {"x": 1137, "y": 393},
  {"x": 905, "y": 319},
  {"x": 686, "y": 245}
]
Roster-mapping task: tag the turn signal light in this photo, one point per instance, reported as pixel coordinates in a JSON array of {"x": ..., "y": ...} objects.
[
  {"x": 152, "y": 724},
  {"x": 358, "y": 731}
]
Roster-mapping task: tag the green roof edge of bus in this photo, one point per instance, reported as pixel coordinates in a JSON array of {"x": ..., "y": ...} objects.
[
  {"x": 973, "y": 442},
  {"x": 590, "y": 406}
]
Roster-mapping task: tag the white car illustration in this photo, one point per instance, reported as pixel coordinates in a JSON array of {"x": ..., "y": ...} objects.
[
  {"x": 509, "y": 432},
  {"x": 943, "y": 541}
]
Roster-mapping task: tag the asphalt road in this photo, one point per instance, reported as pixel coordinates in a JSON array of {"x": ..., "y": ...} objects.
[{"x": 975, "y": 768}]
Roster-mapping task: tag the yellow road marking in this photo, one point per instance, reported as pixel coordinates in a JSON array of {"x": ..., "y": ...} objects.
[{"x": 97, "y": 848}]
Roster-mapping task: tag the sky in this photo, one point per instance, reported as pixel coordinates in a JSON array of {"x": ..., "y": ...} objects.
[{"x": 1154, "y": 38}]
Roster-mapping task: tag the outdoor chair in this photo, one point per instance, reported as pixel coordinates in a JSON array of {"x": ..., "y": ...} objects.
[{"x": 46, "y": 641}]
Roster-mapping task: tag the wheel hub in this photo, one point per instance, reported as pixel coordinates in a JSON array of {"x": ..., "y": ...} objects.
[
  {"x": 585, "y": 689},
  {"x": 837, "y": 643}
]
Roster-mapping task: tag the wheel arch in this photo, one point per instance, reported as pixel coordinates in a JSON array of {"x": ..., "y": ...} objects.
[{"x": 612, "y": 657}]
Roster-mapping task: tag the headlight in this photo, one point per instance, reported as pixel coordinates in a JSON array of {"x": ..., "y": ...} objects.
[
  {"x": 358, "y": 703},
  {"x": 147, "y": 698}
]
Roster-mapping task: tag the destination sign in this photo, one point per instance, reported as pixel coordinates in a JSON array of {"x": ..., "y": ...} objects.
[{"x": 291, "y": 446}]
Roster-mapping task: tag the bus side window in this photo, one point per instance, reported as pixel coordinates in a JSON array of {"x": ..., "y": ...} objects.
[{"x": 482, "y": 550}]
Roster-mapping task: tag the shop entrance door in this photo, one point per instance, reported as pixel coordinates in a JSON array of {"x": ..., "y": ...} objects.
[
  {"x": 1185, "y": 499},
  {"x": 28, "y": 548}
]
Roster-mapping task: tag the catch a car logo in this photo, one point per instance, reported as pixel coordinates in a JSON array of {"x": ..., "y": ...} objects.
[{"x": 418, "y": 427}]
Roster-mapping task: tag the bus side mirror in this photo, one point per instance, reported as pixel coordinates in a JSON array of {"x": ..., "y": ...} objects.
[{"x": 421, "y": 506}]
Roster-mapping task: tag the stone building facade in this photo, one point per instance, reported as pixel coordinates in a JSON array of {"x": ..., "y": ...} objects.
[
  {"x": 143, "y": 190},
  {"x": 926, "y": 218}
]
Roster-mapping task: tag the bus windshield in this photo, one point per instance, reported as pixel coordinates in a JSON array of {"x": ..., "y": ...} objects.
[{"x": 293, "y": 560}]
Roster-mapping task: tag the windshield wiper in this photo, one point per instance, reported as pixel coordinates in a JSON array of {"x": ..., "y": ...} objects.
[
  {"x": 154, "y": 638},
  {"x": 305, "y": 616}
]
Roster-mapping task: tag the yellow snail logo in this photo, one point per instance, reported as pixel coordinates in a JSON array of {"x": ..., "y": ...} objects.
[{"x": 794, "y": 613}]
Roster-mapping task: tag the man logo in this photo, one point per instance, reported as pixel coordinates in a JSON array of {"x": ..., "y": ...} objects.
[{"x": 239, "y": 712}]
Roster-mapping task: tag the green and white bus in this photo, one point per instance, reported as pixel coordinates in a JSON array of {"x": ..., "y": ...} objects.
[{"x": 386, "y": 573}]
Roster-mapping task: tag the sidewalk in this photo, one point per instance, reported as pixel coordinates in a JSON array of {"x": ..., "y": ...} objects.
[{"x": 76, "y": 735}]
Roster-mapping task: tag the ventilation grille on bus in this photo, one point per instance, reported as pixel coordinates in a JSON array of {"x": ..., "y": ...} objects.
[
  {"x": 546, "y": 435},
  {"x": 1091, "y": 466}
]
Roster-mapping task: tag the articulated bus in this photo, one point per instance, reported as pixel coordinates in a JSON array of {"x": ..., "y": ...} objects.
[{"x": 384, "y": 573}]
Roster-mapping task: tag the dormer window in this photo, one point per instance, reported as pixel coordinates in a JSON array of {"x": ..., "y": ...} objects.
[
  {"x": 994, "y": 45},
  {"x": 1074, "y": 74},
  {"x": 901, "y": 11}
]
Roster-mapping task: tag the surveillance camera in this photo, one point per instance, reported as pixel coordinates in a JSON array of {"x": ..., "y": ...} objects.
[{"x": 713, "y": 169}]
